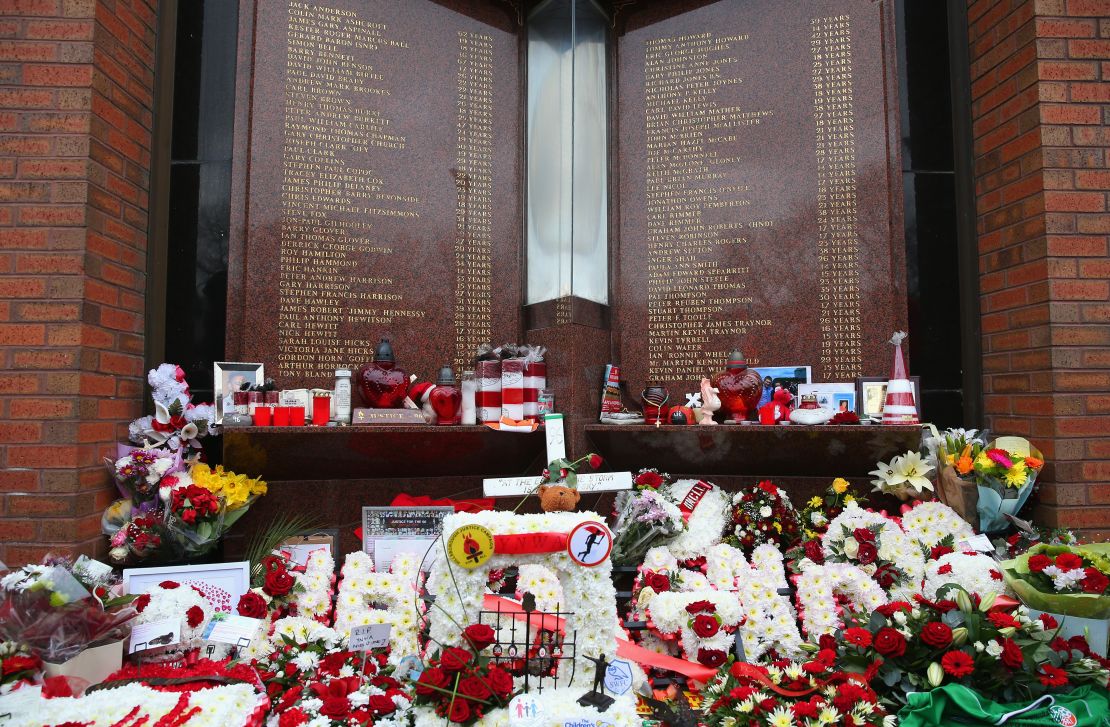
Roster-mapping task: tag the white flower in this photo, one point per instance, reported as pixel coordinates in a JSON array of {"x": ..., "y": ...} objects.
[
  {"x": 930, "y": 522},
  {"x": 994, "y": 649},
  {"x": 972, "y": 572},
  {"x": 851, "y": 547},
  {"x": 306, "y": 660},
  {"x": 765, "y": 511}
]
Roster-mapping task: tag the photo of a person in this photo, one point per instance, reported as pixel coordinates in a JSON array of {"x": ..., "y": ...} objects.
[{"x": 229, "y": 377}]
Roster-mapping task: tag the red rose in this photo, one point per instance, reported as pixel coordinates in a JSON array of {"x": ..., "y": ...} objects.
[
  {"x": 1039, "y": 562},
  {"x": 251, "y": 605},
  {"x": 289, "y": 698},
  {"x": 649, "y": 479},
  {"x": 863, "y": 535},
  {"x": 278, "y": 583},
  {"x": 939, "y": 551},
  {"x": 700, "y": 606},
  {"x": 595, "y": 461},
  {"x": 1094, "y": 581},
  {"x": 859, "y": 637},
  {"x": 1002, "y": 620},
  {"x": 712, "y": 657},
  {"x": 867, "y": 553},
  {"x": 936, "y": 634},
  {"x": 141, "y": 602},
  {"x": 293, "y": 718},
  {"x": 957, "y": 664},
  {"x": 479, "y": 636},
  {"x": 335, "y": 707},
  {"x": 290, "y": 669},
  {"x": 431, "y": 677},
  {"x": 1068, "y": 561},
  {"x": 454, "y": 659},
  {"x": 381, "y": 705},
  {"x": 460, "y": 711},
  {"x": 658, "y": 582},
  {"x": 500, "y": 681},
  {"x": 474, "y": 688},
  {"x": 814, "y": 552},
  {"x": 169, "y": 585},
  {"x": 1011, "y": 654},
  {"x": 705, "y": 626},
  {"x": 194, "y": 616},
  {"x": 890, "y": 642}
]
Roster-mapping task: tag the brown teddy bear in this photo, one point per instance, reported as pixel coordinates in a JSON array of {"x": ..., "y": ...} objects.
[{"x": 558, "y": 498}]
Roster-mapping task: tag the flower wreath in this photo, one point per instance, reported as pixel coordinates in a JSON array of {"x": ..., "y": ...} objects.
[
  {"x": 318, "y": 582},
  {"x": 931, "y": 523},
  {"x": 763, "y": 514},
  {"x": 706, "y": 508},
  {"x": 542, "y": 584},
  {"x": 361, "y": 590},
  {"x": 974, "y": 572},
  {"x": 818, "y": 588},
  {"x": 879, "y": 546},
  {"x": 703, "y": 621},
  {"x": 169, "y": 600}
]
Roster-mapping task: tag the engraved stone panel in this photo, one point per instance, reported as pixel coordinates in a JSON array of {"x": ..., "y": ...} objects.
[
  {"x": 378, "y": 164},
  {"x": 760, "y": 190}
]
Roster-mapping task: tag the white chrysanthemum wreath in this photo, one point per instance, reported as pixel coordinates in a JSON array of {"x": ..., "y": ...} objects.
[
  {"x": 703, "y": 621},
  {"x": 892, "y": 558},
  {"x": 974, "y": 572},
  {"x": 360, "y": 589},
  {"x": 709, "y": 510},
  {"x": 588, "y": 593},
  {"x": 929, "y": 523},
  {"x": 173, "y": 600},
  {"x": 318, "y": 580},
  {"x": 818, "y": 587}
]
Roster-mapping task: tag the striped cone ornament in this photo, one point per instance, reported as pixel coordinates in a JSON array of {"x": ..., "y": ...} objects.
[{"x": 900, "y": 407}]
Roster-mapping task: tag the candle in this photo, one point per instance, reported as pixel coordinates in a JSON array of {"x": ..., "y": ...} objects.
[{"x": 469, "y": 398}]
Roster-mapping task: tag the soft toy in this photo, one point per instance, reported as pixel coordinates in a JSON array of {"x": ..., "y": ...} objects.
[
  {"x": 710, "y": 402},
  {"x": 420, "y": 394},
  {"x": 558, "y": 498},
  {"x": 778, "y": 409},
  {"x": 558, "y": 488}
]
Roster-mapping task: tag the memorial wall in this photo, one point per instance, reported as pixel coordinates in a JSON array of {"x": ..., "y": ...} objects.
[{"x": 380, "y": 191}]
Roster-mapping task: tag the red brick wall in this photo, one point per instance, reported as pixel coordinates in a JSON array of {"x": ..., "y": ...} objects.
[
  {"x": 76, "y": 87},
  {"x": 1040, "y": 73}
]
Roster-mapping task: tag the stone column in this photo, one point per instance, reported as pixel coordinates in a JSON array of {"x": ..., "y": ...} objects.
[{"x": 76, "y": 110}]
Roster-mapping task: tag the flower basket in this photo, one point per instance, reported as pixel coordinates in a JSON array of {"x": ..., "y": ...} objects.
[{"x": 93, "y": 665}]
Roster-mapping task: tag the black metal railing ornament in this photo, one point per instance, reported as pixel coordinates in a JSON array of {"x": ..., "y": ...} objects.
[{"x": 537, "y": 643}]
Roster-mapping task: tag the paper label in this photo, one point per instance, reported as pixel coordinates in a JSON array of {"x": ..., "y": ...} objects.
[
  {"x": 591, "y": 482},
  {"x": 233, "y": 629},
  {"x": 155, "y": 634},
  {"x": 978, "y": 543},
  {"x": 527, "y": 711},
  {"x": 371, "y": 636},
  {"x": 556, "y": 442}
]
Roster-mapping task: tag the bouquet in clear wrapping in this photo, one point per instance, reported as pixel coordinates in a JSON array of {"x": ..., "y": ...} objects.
[
  {"x": 204, "y": 503},
  {"x": 644, "y": 519}
]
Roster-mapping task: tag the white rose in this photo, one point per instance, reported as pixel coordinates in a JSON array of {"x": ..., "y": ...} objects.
[
  {"x": 765, "y": 511},
  {"x": 851, "y": 547}
]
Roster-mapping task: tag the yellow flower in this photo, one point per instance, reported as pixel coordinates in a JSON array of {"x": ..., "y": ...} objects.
[
  {"x": 849, "y": 498},
  {"x": 815, "y": 501},
  {"x": 840, "y": 485},
  {"x": 777, "y": 526},
  {"x": 983, "y": 461},
  {"x": 1017, "y": 474}
]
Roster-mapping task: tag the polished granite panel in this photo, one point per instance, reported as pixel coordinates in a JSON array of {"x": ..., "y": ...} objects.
[{"x": 732, "y": 232}]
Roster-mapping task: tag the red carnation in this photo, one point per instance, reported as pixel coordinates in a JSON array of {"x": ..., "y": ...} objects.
[
  {"x": 454, "y": 659},
  {"x": 939, "y": 551},
  {"x": 936, "y": 634},
  {"x": 1068, "y": 561},
  {"x": 1094, "y": 581},
  {"x": 293, "y": 718},
  {"x": 1002, "y": 620},
  {"x": 944, "y": 569},
  {"x": 712, "y": 657},
  {"x": 658, "y": 582},
  {"x": 957, "y": 664},
  {"x": 1039, "y": 562},
  {"x": 479, "y": 636},
  {"x": 194, "y": 616},
  {"x": 814, "y": 552},
  {"x": 700, "y": 606},
  {"x": 889, "y": 609},
  {"x": 996, "y": 574},
  {"x": 863, "y": 535},
  {"x": 859, "y": 637},
  {"x": 252, "y": 605},
  {"x": 1051, "y": 676},
  {"x": 1011, "y": 654},
  {"x": 705, "y": 626},
  {"x": 890, "y": 642},
  {"x": 289, "y": 698}
]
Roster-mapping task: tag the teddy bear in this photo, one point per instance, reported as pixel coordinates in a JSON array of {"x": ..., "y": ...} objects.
[{"x": 558, "y": 498}]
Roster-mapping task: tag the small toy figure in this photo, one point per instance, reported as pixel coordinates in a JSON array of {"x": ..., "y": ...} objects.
[
  {"x": 596, "y": 697},
  {"x": 710, "y": 402},
  {"x": 778, "y": 409},
  {"x": 558, "y": 498}
]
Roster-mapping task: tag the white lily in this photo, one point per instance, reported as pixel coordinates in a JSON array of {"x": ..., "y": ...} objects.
[
  {"x": 914, "y": 470},
  {"x": 887, "y": 476}
]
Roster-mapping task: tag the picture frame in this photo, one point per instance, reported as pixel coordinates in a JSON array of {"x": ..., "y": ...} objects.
[
  {"x": 389, "y": 530},
  {"x": 789, "y": 376},
  {"x": 227, "y": 377},
  {"x": 871, "y": 396},
  {"x": 222, "y": 583},
  {"x": 297, "y": 548},
  {"x": 838, "y": 397}
]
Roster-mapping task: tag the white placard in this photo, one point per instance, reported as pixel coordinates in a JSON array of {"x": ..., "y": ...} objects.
[
  {"x": 979, "y": 543},
  {"x": 556, "y": 441},
  {"x": 386, "y": 548},
  {"x": 155, "y": 634},
  {"x": 232, "y": 629},
  {"x": 592, "y": 482},
  {"x": 371, "y": 636}
]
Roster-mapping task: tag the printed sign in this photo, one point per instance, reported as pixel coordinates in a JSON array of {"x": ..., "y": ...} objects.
[
  {"x": 590, "y": 482},
  {"x": 470, "y": 546},
  {"x": 589, "y": 543},
  {"x": 618, "y": 677},
  {"x": 556, "y": 441},
  {"x": 526, "y": 711},
  {"x": 371, "y": 636},
  {"x": 155, "y": 634},
  {"x": 390, "y": 528},
  {"x": 236, "y": 630}
]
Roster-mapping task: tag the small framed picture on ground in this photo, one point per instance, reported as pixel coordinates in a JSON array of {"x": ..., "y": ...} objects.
[
  {"x": 871, "y": 396},
  {"x": 229, "y": 377}
]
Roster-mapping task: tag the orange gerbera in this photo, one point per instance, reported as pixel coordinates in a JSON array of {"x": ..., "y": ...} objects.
[{"x": 1033, "y": 463}]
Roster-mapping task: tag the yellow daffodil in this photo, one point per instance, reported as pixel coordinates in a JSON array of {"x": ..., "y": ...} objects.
[{"x": 849, "y": 498}]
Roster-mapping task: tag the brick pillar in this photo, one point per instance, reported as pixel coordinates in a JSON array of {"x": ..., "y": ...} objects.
[
  {"x": 76, "y": 89},
  {"x": 1040, "y": 74}
]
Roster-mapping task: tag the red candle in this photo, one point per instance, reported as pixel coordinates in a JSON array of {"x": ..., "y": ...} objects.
[
  {"x": 321, "y": 410},
  {"x": 296, "y": 416},
  {"x": 262, "y": 416},
  {"x": 281, "y": 416}
]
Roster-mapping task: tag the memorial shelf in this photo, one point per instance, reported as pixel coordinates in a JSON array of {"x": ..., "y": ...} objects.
[
  {"x": 792, "y": 450},
  {"x": 364, "y": 452}
]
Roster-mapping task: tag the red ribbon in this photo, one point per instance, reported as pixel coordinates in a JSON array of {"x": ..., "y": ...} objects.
[
  {"x": 625, "y": 648},
  {"x": 477, "y": 505},
  {"x": 693, "y": 497},
  {"x": 528, "y": 543}
]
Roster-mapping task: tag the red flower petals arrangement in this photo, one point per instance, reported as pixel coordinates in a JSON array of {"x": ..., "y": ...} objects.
[
  {"x": 763, "y": 514},
  {"x": 791, "y": 693},
  {"x": 958, "y": 639},
  {"x": 194, "y": 505},
  {"x": 460, "y": 684},
  {"x": 1072, "y": 580},
  {"x": 17, "y": 663}
]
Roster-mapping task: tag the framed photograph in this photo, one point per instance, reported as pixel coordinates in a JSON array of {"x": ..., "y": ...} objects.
[
  {"x": 788, "y": 377},
  {"x": 387, "y": 531},
  {"x": 871, "y": 396},
  {"x": 228, "y": 377},
  {"x": 222, "y": 583},
  {"x": 837, "y": 397}
]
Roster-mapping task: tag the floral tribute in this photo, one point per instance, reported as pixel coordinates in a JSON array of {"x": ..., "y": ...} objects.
[
  {"x": 878, "y": 546},
  {"x": 366, "y": 597},
  {"x": 178, "y": 424},
  {"x": 763, "y": 514},
  {"x": 1068, "y": 571},
  {"x": 825, "y": 590},
  {"x": 935, "y": 527},
  {"x": 821, "y": 509},
  {"x": 173, "y": 600},
  {"x": 17, "y": 665},
  {"x": 706, "y": 509},
  {"x": 312, "y": 679},
  {"x": 788, "y": 694},
  {"x": 906, "y": 476},
  {"x": 974, "y": 572},
  {"x": 462, "y": 684},
  {"x": 703, "y": 622},
  {"x": 1001, "y": 467},
  {"x": 960, "y": 638},
  {"x": 644, "y": 519}
]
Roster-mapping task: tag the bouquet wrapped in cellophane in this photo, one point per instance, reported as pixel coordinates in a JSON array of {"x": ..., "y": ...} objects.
[
  {"x": 644, "y": 519},
  {"x": 59, "y": 609},
  {"x": 199, "y": 509},
  {"x": 1073, "y": 580}
]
